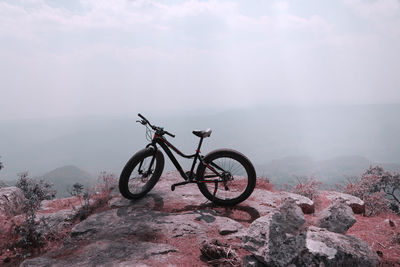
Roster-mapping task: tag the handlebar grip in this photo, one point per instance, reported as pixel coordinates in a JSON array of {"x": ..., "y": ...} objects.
[
  {"x": 141, "y": 116},
  {"x": 170, "y": 134}
]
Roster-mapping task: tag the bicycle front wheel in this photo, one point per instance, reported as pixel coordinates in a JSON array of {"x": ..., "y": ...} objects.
[
  {"x": 234, "y": 172},
  {"x": 141, "y": 173}
]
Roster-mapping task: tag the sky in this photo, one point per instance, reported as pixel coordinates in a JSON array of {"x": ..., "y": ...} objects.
[{"x": 100, "y": 57}]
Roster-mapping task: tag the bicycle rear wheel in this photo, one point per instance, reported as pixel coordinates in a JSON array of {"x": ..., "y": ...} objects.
[
  {"x": 141, "y": 173},
  {"x": 235, "y": 174}
]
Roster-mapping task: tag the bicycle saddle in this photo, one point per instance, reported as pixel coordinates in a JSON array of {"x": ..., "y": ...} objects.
[{"x": 202, "y": 134}]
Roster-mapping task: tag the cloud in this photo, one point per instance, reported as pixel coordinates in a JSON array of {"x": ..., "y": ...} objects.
[
  {"x": 384, "y": 14},
  {"x": 72, "y": 57}
]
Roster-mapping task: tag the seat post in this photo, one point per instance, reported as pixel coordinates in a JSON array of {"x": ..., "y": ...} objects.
[
  {"x": 200, "y": 143},
  {"x": 195, "y": 159}
]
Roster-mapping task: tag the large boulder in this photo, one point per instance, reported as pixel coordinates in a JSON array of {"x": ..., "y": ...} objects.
[
  {"x": 356, "y": 204},
  {"x": 106, "y": 252},
  {"x": 318, "y": 247},
  {"x": 338, "y": 217},
  {"x": 325, "y": 248},
  {"x": 277, "y": 239},
  {"x": 12, "y": 201},
  {"x": 273, "y": 238}
]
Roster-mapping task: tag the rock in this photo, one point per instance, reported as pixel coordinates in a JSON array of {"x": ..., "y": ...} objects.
[
  {"x": 57, "y": 204},
  {"x": 325, "y": 248},
  {"x": 277, "y": 240},
  {"x": 316, "y": 247},
  {"x": 226, "y": 230},
  {"x": 125, "y": 235},
  {"x": 306, "y": 204},
  {"x": 227, "y": 226},
  {"x": 56, "y": 221},
  {"x": 272, "y": 238},
  {"x": 251, "y": 261},
  {"x": 355, "y": 203},
  {"x": 184, "y": 226},
  {"x": 167, "y": 228},
  {"x": 108, "y": 253},
  {"x": 273, "y": 199},
  {"x": 12, "y": 201},
  {"x": 338, "y": 217}
]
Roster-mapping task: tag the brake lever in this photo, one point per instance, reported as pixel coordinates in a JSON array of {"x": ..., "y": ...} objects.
[{"x": 141, "y": 121}]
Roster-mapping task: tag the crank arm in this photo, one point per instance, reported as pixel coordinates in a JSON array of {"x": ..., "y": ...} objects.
[{"x": 178, "y": 184}]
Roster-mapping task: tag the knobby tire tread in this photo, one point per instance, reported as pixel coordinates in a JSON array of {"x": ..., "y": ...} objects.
[{"x": 131, "y": 164}]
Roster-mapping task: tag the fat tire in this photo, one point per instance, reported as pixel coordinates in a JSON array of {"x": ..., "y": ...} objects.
[
  {"x": 243, "y": 160},
  {"x": 130, "y": 166}
]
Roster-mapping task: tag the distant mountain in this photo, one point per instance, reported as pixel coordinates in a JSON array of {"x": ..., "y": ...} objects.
[
  {"x": 261, "y": 133},
  {"x": 64, "y": 177},
  {"x": 330, "y": 171}
]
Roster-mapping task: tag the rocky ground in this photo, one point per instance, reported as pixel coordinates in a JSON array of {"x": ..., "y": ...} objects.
[{"x": 181, "y": 228}]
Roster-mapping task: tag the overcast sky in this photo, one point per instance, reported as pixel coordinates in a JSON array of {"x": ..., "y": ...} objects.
[{"x": 96, "y": 57}]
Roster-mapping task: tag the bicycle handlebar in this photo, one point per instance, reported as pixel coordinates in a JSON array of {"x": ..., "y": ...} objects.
[
  {"x": 143, "y": 118},
  {"x": 155, "y": 128}
]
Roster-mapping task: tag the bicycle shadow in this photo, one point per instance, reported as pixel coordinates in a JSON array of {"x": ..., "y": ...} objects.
[
  {"x": 239, "y": 213},
  {"x": 151, "y": 201}
]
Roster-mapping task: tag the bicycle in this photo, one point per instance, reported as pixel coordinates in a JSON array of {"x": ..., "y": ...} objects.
[{"x": 224, "y": 176}]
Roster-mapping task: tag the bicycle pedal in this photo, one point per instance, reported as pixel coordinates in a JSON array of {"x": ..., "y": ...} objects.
[{"x": 178, "y": 184}]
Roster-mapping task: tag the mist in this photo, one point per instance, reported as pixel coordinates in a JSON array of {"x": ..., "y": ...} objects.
[
  {"x": 329, "y": 143},
  {"x": 300, "y": 88}
]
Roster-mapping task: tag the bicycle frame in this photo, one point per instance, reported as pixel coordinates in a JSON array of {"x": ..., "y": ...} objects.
[{"x": 165, "y": 145}]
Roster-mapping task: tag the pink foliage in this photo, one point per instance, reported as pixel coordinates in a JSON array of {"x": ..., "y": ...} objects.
[
  {"x": 307, "y": 187},
  {"x": 106, "y": 182},
  {"x": 375, "y": 204},
  {"x": 355, "y": 187},
  {"x": 264, "y": 183},
  {"x": 377, "y": 187}
]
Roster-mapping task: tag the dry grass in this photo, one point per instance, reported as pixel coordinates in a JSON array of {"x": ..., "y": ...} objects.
[{"x": 217, "y": 253}]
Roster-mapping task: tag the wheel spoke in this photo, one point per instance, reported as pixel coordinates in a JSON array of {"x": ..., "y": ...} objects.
[
  {"x": 233, "y": 188},
  {"x": 141, "y": 176}
]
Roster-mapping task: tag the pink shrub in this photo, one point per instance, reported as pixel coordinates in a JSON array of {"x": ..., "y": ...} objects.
[
  {"x": 378, "y": 188},
  {"x": 307, "y": 187},
  {"x": 354, "y": 187},
  {"x": 264, "y": 183},
  {"x": 106, "y": 182},
  {"x": 375, "y": 204}
]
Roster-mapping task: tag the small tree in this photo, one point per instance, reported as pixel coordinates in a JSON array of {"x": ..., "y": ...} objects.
[
  {"x": 97, "y": 196},
  {"x": 375, "y": 179},
  {"x": 76, "y": 189},
  {"x": 34, "y": 191},
  {"x": 85, "y": 209},
  {"x": 378, "y": 188}
]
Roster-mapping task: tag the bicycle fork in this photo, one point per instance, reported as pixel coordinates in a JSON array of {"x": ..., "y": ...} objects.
[{"x": 148, "y": 172}]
